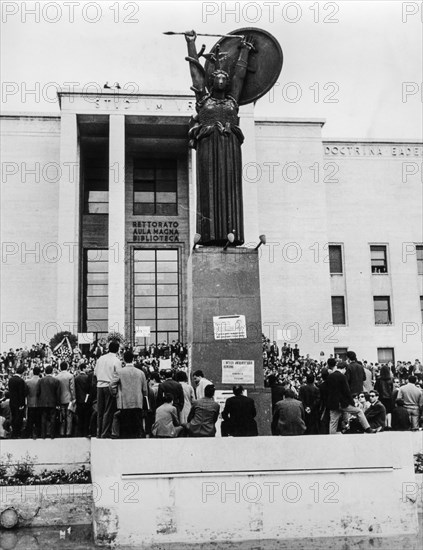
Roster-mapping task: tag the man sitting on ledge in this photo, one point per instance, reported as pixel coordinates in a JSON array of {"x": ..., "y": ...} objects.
[
  {"x": 203, "y": 415},
  {"x": 376, "y": 413},
  {"x": 289, "y": 416},
  {"x": 167, "y": 423},
  {"x": 239, "y": 415}
]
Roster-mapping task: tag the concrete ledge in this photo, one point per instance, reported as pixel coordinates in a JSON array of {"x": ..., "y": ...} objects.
[
  {"x": 159, "y": 491},
  {"x": 417, "y": 441},
  {"x": 52, "y": 454},
  {"x": 49, "y": 505}
]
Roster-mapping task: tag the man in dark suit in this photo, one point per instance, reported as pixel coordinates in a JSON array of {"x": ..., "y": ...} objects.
[
  {"x": 17, "y": 392},
  {"x": 48, "y": 398},
  {"x": 83, "y": 401},
  {"x": 174, "y": 388},
  {"x": 355, "y": 373},
  {"x": 310, "y": 397},
  {"x": 376, "y": 413},
  {"x": 33, "y": 424},
  {"x": 277, "y": 390},
  {"x": 340, "y": 401},
  {"x": 238, "y": 415}
]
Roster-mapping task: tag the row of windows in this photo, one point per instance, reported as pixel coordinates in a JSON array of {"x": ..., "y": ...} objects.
[
  {"x": 96, "y": 279},
  {"x": 155, "y": 186},
  {"x": 378, "y": 259},
  {"x": 156, "y": 293},
  {"x": 384, "y": 355},
  {"x": 381, "y": 306}
]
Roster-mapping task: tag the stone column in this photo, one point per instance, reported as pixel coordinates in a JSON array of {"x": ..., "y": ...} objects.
[
  {"x": 117, "y": 223},
  {"x": 68, "y": 226}
]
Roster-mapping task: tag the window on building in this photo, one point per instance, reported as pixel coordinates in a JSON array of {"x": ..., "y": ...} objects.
[
  {"x": 421, "y": 306},
  {"x": 96, "y": 185},
  {"x": 385, "y": 355},
  {"x": 419, "y": 256},
  {"x": 335, "y": 259},
  {"x": 155, "y": 187},
  {"x": 338, "y": 310},
  {"x": 96, "y": 291},
  {"x": 382, "y": 309},
  {"x": 378, "y": 259},
  {"x": 157, "y": 293},
  {"x": 341, "y": 353}
]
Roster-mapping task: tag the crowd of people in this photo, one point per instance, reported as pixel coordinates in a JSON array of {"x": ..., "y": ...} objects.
[
  {"x": 115, "y": 391},
  {"x": 340, "y": 394}
]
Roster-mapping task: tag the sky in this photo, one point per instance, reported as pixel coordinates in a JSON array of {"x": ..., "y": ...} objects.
[{"x": 356, "y": 64}]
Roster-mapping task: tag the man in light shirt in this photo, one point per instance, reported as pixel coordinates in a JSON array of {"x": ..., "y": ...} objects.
[
  {"x": 200, "y": 383},
  {"x": 107, "y": 367},
  {"x": 413, "y": 401},
  {"x": 368, "y": 383}
]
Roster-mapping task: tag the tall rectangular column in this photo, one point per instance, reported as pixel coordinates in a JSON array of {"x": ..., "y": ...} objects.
[
  {"x": 68, "y": 229},
  {"x": 224, "y": 285},
  {"x": 117, "y": 223}
]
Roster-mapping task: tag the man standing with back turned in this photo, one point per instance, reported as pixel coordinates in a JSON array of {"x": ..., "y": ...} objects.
[
  {"x": 105, "y": 370},
  {"x": 340, "y": 400},
  {"x": 239, "y": 415},
  {"x": 355, "y": 373},
  {"x": 130, "y": 387}
]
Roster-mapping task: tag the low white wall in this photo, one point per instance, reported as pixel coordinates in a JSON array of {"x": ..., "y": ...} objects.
[
  {"x": 417, "y": 440},
  {"x": 49, "y": 505},
  {"x": 68, "y": 453},
  {"x": 199, "y": 490}
]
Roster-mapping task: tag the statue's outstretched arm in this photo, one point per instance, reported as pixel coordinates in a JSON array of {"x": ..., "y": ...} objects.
[
  {"x": 198, "y": 74},
  {"x": 241, "y": 67}
]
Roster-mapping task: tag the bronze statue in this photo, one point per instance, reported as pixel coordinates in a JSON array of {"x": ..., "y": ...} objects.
[{"x": 220, "y": 86}]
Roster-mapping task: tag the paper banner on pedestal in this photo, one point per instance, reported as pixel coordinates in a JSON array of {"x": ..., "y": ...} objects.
[
  {"x": 237, "y": 372},
  {"x": 229, "y": 327}
]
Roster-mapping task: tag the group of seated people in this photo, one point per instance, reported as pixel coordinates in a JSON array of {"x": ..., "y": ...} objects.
[{"x": 345, "y": 399}]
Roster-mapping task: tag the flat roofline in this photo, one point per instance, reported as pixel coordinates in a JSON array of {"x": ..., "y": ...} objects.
[
  {"x": 17, "y": 114},
  {"x": 123, "y": 93},
  {"x": 385, "y": 141},
  {"x": 106, "y": 91},
  {"x": 268, "y": 121}
]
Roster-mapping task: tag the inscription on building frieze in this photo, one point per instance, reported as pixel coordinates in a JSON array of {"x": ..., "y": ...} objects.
[
  {"x": 128, "y": 103},
  {"x": 381, "y": 150},
  {"x": 155, "y": 232}
]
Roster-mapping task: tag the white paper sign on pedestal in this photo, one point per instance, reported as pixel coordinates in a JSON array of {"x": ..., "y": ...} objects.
[
  {"x": 237, "y": 371},
  {"x": 229, "y": 327}
]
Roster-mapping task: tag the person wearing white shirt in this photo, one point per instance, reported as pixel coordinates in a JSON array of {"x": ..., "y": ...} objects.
[
  {"x": 106, "y": 368},
  {"x": 200, "y": 383}
]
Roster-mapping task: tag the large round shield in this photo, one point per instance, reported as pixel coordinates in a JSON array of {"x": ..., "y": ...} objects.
[{"x": 264, "y": 64}]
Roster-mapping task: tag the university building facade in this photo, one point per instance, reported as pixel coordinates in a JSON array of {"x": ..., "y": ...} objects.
[{"x": 98, "y": 220}]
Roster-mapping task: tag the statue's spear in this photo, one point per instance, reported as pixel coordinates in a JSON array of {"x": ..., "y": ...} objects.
[{"x": 171, "y": 33}]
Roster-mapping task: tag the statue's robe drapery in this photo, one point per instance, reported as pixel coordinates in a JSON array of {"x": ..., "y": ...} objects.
[{"x": 217, "y": 138}]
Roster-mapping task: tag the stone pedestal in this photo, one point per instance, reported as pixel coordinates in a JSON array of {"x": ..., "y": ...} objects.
[{"x": 227, "y": 283}]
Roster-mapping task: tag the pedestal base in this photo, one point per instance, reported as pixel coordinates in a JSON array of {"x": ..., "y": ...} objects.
[{"x": 226, "y": 283}]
